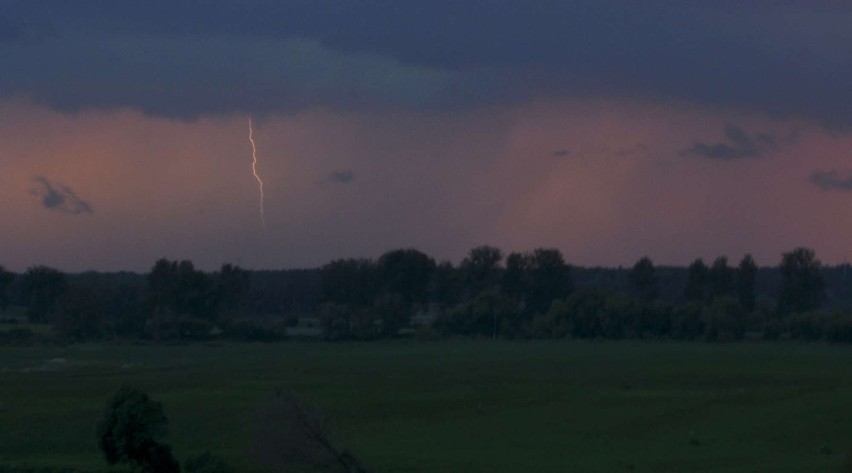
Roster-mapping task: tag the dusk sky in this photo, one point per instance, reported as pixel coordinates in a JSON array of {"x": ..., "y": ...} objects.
[{"x": 608, "y": 129}]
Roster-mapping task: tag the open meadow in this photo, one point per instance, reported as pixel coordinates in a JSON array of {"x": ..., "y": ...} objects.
[{"x": 456, "y": 406}]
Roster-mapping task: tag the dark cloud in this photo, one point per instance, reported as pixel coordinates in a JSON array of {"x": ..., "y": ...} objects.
[
  {"x": 59, "y": 197},
  {"x": 561, "y": 153},
  {"x": 832, "y": 180},
  {"x": 341, "y": 177},
  {"x": 740, "y": 145},
  {"x": 187, "y": 59}
]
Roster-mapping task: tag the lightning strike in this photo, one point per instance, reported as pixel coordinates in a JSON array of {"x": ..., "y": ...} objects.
[{"x": 256, "y": 175}]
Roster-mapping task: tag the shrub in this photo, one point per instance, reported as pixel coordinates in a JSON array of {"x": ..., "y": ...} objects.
[{"x": 132, "y": 430}]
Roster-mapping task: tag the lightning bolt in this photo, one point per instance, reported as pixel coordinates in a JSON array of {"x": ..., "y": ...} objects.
[{"x": 256, "y": 175}]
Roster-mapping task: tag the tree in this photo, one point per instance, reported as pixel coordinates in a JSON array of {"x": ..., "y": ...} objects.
[
  {"x": 448, "y": 285},
  {"x": 178, "y": 287},
  {"x": 481, "y": 268},
  {"x": 351, "y": 282},
  {"x": 231, "y": 284},
  {"x": 406, "y": 272},
  {"x": 802, "y": 287},
  {"x": 745, "y": 282},
  {"x": 696, "y": 282},
  {"x": 6, "y": 279},
  {"x": 393, "y": 311},
  {"x": 41, "y": 287},
  {"x": 81, "y": 315},
  {"x": 132, "y": 430},
  {"x": 643, "y": 278},
  {"x": 516, "y": 278},
  {"x": 550, "y": 279},
  {"x": 720, "y": 278}
]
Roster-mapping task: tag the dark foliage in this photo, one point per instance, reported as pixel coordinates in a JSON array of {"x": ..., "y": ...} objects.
[
  {"x": 132, "y": 431},
  {"x": 41, "y": 287},
  {"x": 6, "y": 279},
  {"x": 643, "y": 280},
  {"x": 803, "y": 287}
]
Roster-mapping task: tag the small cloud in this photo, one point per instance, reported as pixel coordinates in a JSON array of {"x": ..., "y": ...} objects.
[
  {"x": 59, "y": 197},
  {"x": 740, "y": 145},
  {"x": 341, "y": 177},
  {"x": 561, "y": 153},
  {"x": 832, "y": 180}
]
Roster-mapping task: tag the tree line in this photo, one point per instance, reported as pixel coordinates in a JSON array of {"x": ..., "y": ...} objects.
[{"x": 532, "y": 294}]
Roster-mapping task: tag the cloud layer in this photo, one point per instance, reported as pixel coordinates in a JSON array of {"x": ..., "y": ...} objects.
[{"x": 259, "y": 56}]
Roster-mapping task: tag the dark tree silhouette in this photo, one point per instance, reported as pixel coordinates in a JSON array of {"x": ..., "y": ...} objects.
[
  {"x": 481, "y": 268},
  {"x": 132, "y": 430},
  {"x": 406, "y": 272},
  {"x": 41, "y": 287},
  {"x": 802, "y": 288},
  {"x": 720, "y": 277},
  {"x": 550, "y": 279},
  {"x": 81, "y": 315},
  {"x": 746, "y": 279},
  {"x": 231, "y": 283},
  {"x": 696, "y": 282},
  {"x": 643, "y": 279},
  {"x": 6, "y": 279},
  {"x": 448, "y": 285},
  {"x": 516, "y": 278},
  {"x": 180, "y": 288},
  {"x": 351, "y": 282}
]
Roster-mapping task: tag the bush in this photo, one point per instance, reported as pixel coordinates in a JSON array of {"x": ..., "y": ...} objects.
[{"x": 132, "y": 430}]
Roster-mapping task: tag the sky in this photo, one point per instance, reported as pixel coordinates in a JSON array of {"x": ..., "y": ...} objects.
[{"x": 611, "y": 130}]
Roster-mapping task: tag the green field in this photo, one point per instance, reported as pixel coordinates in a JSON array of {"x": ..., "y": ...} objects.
[{"x": 459, "y": 406}]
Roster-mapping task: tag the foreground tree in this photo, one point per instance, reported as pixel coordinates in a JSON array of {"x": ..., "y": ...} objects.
[
  {"x": 802, "y": 288},
  {"x": 292, "y": 435},
  {"x": 132, "y": 431}
]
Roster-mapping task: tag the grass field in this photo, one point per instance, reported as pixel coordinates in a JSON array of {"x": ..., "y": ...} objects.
[{"x": 459, "y": 406}]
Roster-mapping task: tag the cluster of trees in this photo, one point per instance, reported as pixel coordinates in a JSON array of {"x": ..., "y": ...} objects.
[
  {"x": 522, "y": 295},
  {"x": 176, "y": 301},
  {"x": 533, "y": 295}
]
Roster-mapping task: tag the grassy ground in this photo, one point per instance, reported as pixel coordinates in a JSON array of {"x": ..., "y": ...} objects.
[{"x": 458, "y": 406}]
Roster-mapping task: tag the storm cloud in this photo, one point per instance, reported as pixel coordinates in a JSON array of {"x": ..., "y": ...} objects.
[
  {"x": 58, "y": 197},
  {"x": 258, "y": 56},
  {"x": 832, "y": 180}
]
